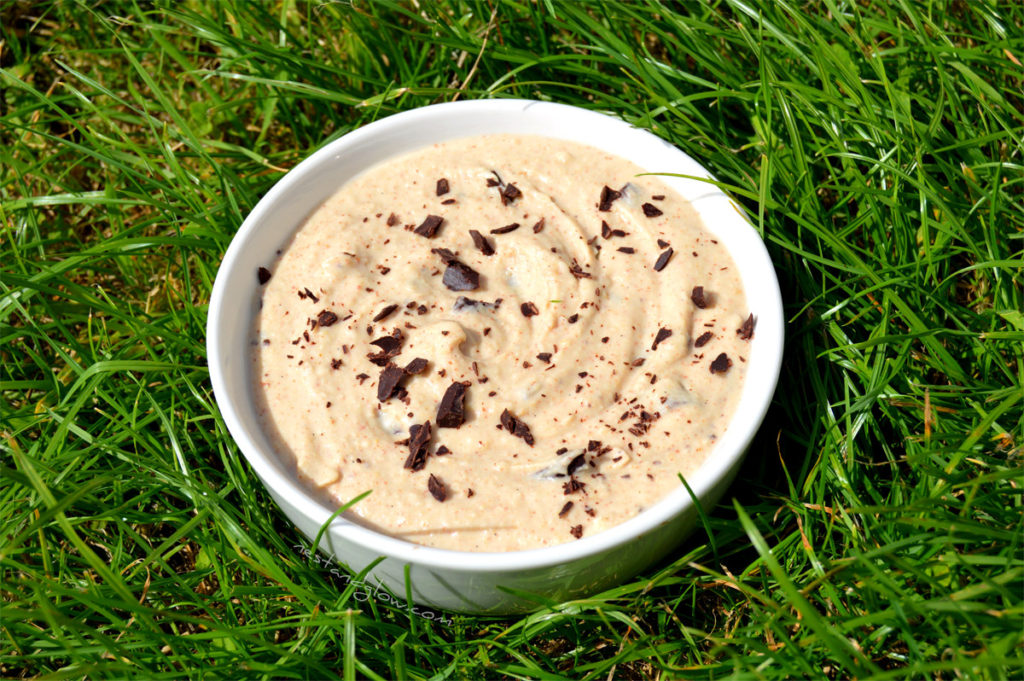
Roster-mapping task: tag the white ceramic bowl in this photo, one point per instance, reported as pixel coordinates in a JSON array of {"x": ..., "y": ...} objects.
[{"x": 485, "y": 582}]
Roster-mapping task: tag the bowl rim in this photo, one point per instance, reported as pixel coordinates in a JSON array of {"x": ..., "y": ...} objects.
[{"x": 702, "y": 481}]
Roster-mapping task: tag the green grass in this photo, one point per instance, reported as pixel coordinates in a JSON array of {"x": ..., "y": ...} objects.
[{"x": 875, "y": 530}]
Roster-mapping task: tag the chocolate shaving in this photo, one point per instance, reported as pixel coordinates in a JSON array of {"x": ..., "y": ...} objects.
[
  {"x": 662, "y": 335},
  {"x": 388, "y": 382},
  {"x": 451, "y": 412},
  {"x": 697, "y": 296},
  {"x": 662, "y": 260},
  {"x": 650, "y": 210},
  {"x": 336, "y": 364},
  {"x": 627, "y": 249},
  {"x": 573, "y": 485},
  {"x": 481, "y": 242},
  {"x": 442, "y": 187},
  {"x": 577, "y": 531},
  {"x": 538, "y": 226},
  {"x": 516, "y": 427},
  {"x": 385, "y": 313},
  {"x": 703, "y": 339},
  {"x": 428, "y": 228},
  {"x": 463, "y": 303},
  {"x": 608, "y": 196},
  {"x": 417, "y": 366},
  {"x": 658, "y": 197},
  {"x": 577, "y": 462},
  {"x": 721, "y": 364},
  {"x": 460, "y": 277},
  {"x": 545, "y": 357},
  {"x": 746, "y": 332},
  {"x": 436, "y": 488},
  {"x": 565, "y": 509},
  {"x": 509, "y": 194},
  {"x": 392, "y": 220},
  {"x": 263, "y": 275},
  {"x": 362, "y": 378},
  {"x": 326, "y": 318},
  {"x": 577, "y": 271},
  {"x": 529, "y": 309},
  {"x": 506, "y": 229},
  {"x": 419, "y": 436},
  {"x": 445, "y": 255}
]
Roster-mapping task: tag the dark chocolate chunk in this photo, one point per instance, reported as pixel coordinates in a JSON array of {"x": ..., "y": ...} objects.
[
  {"x": 516, "y": 427},
  {"x": 428, "y": 228},
  {"x": 442, "y": 451},
  {"x": 326, "y": 318},
  {"x": 385, "y": 313},
  {"x": 451, "y": 413},
  {"x": 392, "y": 220},
  {"x": 509, "y": 194},
  {"x": 481, "y": 242},
  {"x": 506, "y": 229},
  {"x": 447, "y": 202},
  {"x": 593, "y": 445},
  {"x": 529, "y": 309},
  {"x": 460, "y": 277},
  {"x": 565, "y": 509},
  {"x": 362, "y": 378},
  {"x": 417, "y": 366},
  {"x": 577, "y": 462},
  {"x": 263, "y": 275},
  {"x": 697, "y": 296},
  {"x": 390, "y": 346},
  {"x": 419, "y": 437},
  {"x": 436, "y": 488},
  {"x": 662, "y": 335},
  {"x": 658, "y": 197},
  {"x": 470, "y": 493},
  {"x": 442, "y": 187},
  {"x": 538, "y": 226},
  {"x": 638, "y": 362},
  {"x": 576, "y": 531},
  {"x": 608, "y": 196},
  {"x": 573, "y": 318},
  {"x": 662, "y": 260},
  {"x": 627, "y": 249},
  {"x": 703, "y": 339},
  {"x": 388, "y": 382},
  {"x": 721, "y": 364},
  {"x": 746, "y": 332},
  {"x": 650, "y": 210},
  {"x": 662, "y": 243},
  {"x": 544, "y": 357}
]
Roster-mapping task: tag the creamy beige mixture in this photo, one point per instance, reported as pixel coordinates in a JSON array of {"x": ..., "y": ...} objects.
[{"x": 584, "y": 325}]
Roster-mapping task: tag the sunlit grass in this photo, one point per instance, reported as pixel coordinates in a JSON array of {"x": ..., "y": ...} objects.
[{"x": 875, "y": 530}]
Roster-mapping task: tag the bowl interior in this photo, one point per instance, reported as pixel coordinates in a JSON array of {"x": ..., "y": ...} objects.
[{"x": 285, "y": 207}]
